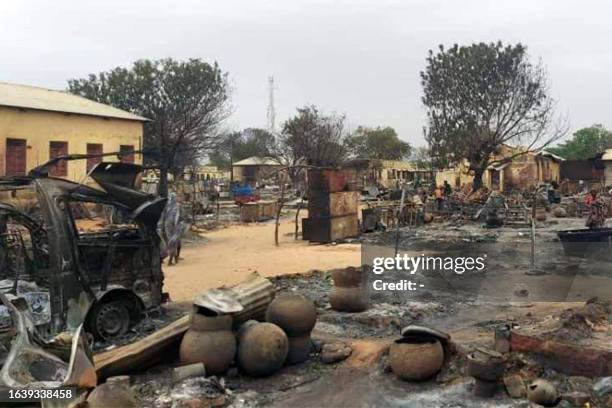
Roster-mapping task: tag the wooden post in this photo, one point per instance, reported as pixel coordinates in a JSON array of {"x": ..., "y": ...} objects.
[{"x": 278, "y": 210}]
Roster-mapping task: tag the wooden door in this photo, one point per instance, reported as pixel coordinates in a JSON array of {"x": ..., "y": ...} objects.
[{"x": 16, "y": 151}]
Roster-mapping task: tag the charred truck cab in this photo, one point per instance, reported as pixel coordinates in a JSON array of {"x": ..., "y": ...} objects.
[{"x": 76, "y": 254}]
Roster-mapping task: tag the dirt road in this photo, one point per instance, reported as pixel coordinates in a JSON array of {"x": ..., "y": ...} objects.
[{"x": 228, "y": 255}]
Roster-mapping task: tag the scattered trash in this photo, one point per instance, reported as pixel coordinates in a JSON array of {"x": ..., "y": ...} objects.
[{"x": 335, "y": 352}]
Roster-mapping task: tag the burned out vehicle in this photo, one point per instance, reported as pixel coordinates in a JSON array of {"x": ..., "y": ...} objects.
[{"x": 80, "y": 254}]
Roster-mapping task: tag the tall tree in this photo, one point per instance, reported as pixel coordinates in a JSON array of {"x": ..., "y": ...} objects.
[
  {"x": 185, "y": 101},
  {"x": 236, "y": 146},
  {"x": 585, "y": 144},
  {"x": 482, "y": 96},
  {"x": 378, "y": 143},
  {"x": 313, "y": 138}
]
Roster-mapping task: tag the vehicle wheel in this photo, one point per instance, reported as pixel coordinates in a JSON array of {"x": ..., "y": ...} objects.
[{"x": 109, "y": 320}]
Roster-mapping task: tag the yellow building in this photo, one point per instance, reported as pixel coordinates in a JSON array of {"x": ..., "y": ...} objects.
[
  {"x": 38, "y": 124},
  {"x": 513, "y": 169},
  {"x": 388, "y": 173}
]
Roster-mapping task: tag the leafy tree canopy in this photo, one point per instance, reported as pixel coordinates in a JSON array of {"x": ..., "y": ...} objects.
[
  {"x": 585, "y": 144},
  {"x": 481, "y": 96},
  {"x": 313, "y": 138},
  {"x": 378, "y": 143},
  {"x": 236, "y": 146}
]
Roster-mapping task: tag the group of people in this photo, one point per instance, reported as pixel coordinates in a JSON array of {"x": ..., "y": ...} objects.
[{"x": 597, "y": 210}]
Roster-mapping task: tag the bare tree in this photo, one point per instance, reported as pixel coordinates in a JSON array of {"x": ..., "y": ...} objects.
[{"x": 482, "y": 96}]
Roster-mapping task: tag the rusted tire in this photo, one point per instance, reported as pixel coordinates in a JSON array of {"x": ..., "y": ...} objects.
[
  {"x": 352, "y": 299},
  {"x": 416, "y": 361},
  {"x": 109, "y": 320},
  {"x": 295, "y": 314},
  {"x": 299, "y": 349}
]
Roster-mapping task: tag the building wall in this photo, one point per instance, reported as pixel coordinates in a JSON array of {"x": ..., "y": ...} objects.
[
  {"x": 254, "y": 174},
  {"x": 39, "y": 128}
]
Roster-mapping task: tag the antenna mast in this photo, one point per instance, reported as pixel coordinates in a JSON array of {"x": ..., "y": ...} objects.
[{"x": 271, "y": 115}]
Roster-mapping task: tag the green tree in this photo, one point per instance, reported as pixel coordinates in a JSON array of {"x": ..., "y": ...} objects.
[
  {"x": 313, "y": 138},
  {"x": 236, "y": 146},
  {"x": 185, "y": 100},
  {"x": 481, "y": 96},
  {"x": 378, "y": 143},
  {"x": 585, "y": 144}
]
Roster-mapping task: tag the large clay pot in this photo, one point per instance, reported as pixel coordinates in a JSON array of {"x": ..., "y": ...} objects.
[
  {"x": 262, "y": 349},
  {"x": 416, "y": 359},
  {"x": 485, "y": 366},
  {"x": 351, "y": 299},
  {"x": 299, "y": 348},
  {"x": 347, "y": 277},
  {"x": 209, "y": 340},
  {"x": 540, "y": 214},
  {"x": 295, "y": 314}
]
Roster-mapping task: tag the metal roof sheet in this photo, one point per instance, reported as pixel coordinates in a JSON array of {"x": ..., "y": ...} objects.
[
  {"x": 32, "y": 97},
  {"x": 257, "y": 161}
]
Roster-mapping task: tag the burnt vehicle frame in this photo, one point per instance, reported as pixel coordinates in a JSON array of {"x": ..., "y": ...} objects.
[{"x": 103, "y": 279}]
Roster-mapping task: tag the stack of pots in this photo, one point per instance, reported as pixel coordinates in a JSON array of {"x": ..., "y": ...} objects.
[
  {"x": 296, "y": 315},
  {"x": 209, "y": 340},
  {"x": 350, "y": 293},
  {"x": 487, "y": 367}
]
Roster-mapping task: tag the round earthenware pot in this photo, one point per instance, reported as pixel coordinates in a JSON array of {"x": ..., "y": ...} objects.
[
  {"x": 351, "y": 299},
  {"x": 416, "y": 359},
  {"x": 295, "y": 314},
  {"x": 348, "y": 277},
  {"x": 262, "y": 349},
  {"x": 542, "y": 392},
  {"x": 299, "y": 348},
  {"x": 209, "y": 340}
]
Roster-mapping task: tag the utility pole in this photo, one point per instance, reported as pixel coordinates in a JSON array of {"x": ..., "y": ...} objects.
[{"x": 271, "y": 115}]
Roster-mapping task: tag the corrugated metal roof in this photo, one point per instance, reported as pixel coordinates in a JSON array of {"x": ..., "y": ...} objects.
[
  {"x": 32, "y": 97},
  {"x": 257, "y": 161}
]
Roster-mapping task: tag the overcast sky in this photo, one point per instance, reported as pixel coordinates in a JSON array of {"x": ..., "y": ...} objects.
[{"x": 361, "y": 58}]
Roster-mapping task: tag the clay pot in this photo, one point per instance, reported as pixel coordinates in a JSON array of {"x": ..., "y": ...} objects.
[
  {"x": 542, "y": 392},
  {"x": 487, "y": 366},
  {"x": 209, "y": 340},
  {"x": 560, "y": 212},
  {"x": 347, "y": 277},
  {"x": 416, "y": 359},
  {"x": 540, "y": 215},
  {"x": 262, "y": 349},
  {"x": 299, "y": 348},
  {"x": 295, "y": 314},
  {"x": 351, "y": 299}
]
